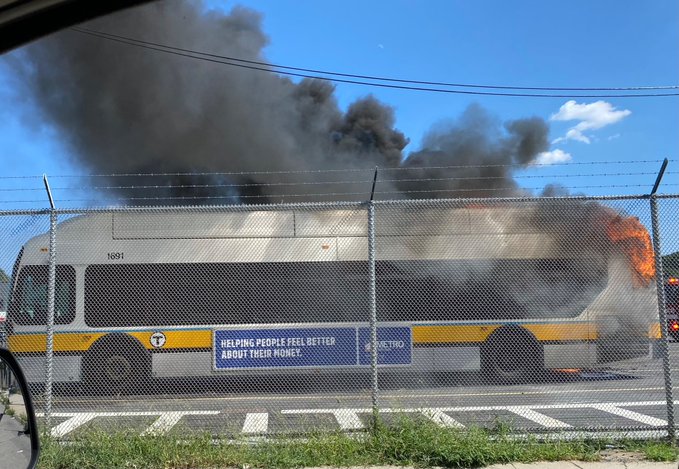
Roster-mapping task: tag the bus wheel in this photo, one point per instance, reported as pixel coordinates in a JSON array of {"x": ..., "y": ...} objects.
[
  {"x": 116, "y": 364},
  {"x": 511, "y": 355}
]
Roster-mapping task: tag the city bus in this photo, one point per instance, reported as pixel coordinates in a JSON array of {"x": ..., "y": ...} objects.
[{"x": 154, "y": 294}]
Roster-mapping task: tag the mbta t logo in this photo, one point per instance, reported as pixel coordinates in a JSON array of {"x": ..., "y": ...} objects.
[{"x": 157, "y": 339}]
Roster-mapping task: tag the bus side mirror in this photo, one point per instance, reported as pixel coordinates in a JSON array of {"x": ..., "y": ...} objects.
[{"x": 19, "y": 444}]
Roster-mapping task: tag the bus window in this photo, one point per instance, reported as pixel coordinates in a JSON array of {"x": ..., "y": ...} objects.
[
  {"x": 124, "y": 295},
  {"x": 30, "y": 304}
]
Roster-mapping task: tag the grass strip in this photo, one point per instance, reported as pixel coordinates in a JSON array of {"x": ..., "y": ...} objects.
[{"x": 407, "y": 442}]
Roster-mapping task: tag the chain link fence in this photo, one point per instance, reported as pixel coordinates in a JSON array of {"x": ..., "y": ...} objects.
[{"x": 543, "y": 314}]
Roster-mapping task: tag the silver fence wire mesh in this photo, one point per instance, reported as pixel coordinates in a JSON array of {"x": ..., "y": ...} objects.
[{"x": 541, "y": 314}]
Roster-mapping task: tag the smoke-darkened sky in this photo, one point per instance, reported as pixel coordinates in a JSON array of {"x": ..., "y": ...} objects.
[
  {"x": 152, "y": 113},
  {"x": 94, "y": 106}
]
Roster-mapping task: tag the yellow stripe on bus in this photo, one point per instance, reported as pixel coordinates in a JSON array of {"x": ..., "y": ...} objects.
[
  {"x": 202, "y": 339},
  {"x": 81, "y": 341},
  {"x": 178, "y": 339},
  {"x": 451, "y": 334},
  {"x": 63, "y": 342},
  {"x": 560, "y": 332},
  {"x": 479, "y": 333}
]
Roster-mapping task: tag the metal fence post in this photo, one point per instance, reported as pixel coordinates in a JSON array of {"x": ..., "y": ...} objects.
[
  {"x": 372, "y": 298},
  {"x": 51, "y": 292},
  {"x": 662, "y": 317},
  {"x": 49, "y": 349}
]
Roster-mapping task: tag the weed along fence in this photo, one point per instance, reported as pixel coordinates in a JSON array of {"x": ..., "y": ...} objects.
[{"x": 544, "y": 314}]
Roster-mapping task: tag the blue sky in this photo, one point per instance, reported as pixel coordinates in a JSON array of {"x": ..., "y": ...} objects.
[
  {"x": 523, "y": 43},
  {"x": 528, "y": 43}
]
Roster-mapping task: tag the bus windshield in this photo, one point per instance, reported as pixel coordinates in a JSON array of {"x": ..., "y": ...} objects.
[{"x": 29, "y": 305}]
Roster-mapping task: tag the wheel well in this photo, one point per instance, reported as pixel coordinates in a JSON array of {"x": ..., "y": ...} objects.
[
  {"x": 119, "y": 341},
  {"x": 511, "y": 355},
  {"x": 116, "y": 340},
  {"x": 100, "y": 356},
  {"x": 514, "y": 334},
  {"x": 511, "y": 332}
]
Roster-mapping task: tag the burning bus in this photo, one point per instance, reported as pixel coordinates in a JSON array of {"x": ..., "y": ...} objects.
[{"x": 506, "y": 290}]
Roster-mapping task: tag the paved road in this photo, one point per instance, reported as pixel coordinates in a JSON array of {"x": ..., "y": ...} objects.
[
  {"x": 629, "y": 396},
  {"x": 558, "y": 401}
]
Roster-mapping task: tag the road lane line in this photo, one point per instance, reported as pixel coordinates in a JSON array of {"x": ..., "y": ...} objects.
[
  {"x": 256, "y": 423},
  {"x": 71, "y": 424},
  {"x": 537, "y": 417},
  {"x": 630, "y": 414}
]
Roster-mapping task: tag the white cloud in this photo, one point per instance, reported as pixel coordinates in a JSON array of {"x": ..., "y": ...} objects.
[
  {"x": 552, "y": 157},
  {"x": 591, "y": 116}
]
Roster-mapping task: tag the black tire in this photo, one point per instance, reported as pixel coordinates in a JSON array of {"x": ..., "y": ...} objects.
[
  {"x": 512, "y": 355},
  {"x": 116, "y": 364}
]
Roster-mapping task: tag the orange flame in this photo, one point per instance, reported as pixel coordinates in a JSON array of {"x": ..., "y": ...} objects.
[{"x": 634, "y": 240}]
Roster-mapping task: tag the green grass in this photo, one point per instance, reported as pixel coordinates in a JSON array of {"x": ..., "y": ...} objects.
[
  {"x": 406, "y": 442},
  {"x": 653, "y": 450}
]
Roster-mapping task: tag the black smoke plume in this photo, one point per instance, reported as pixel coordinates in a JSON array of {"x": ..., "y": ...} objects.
[
  {"x": 125, "y": 109},
  {"x": 482, "y": 154}
]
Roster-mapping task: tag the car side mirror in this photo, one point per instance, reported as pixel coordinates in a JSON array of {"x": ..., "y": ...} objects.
[{"x": 19, "y": 443}]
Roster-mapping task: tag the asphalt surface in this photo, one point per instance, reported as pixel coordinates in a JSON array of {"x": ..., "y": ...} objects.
[
  {"x": 629, "y": 397},
  {"x": 601, "y": 399}
]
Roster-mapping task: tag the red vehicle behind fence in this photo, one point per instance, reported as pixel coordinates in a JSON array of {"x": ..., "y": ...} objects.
[{"x": 672, "y": 303}]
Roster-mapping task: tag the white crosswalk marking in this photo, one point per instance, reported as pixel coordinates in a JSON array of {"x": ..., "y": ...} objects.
[
  {"x": 256, "y": 423},
  {"x": 440, "y": 418},
  {"x": 348, "y": 419},
  {"x": 537, "y": 417},
  {"x": 630, "y": 414},
  {"x": 164, "y": 423},
  {"x": 167, "y": 420},
  {"x": 72, "y": 423}
]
